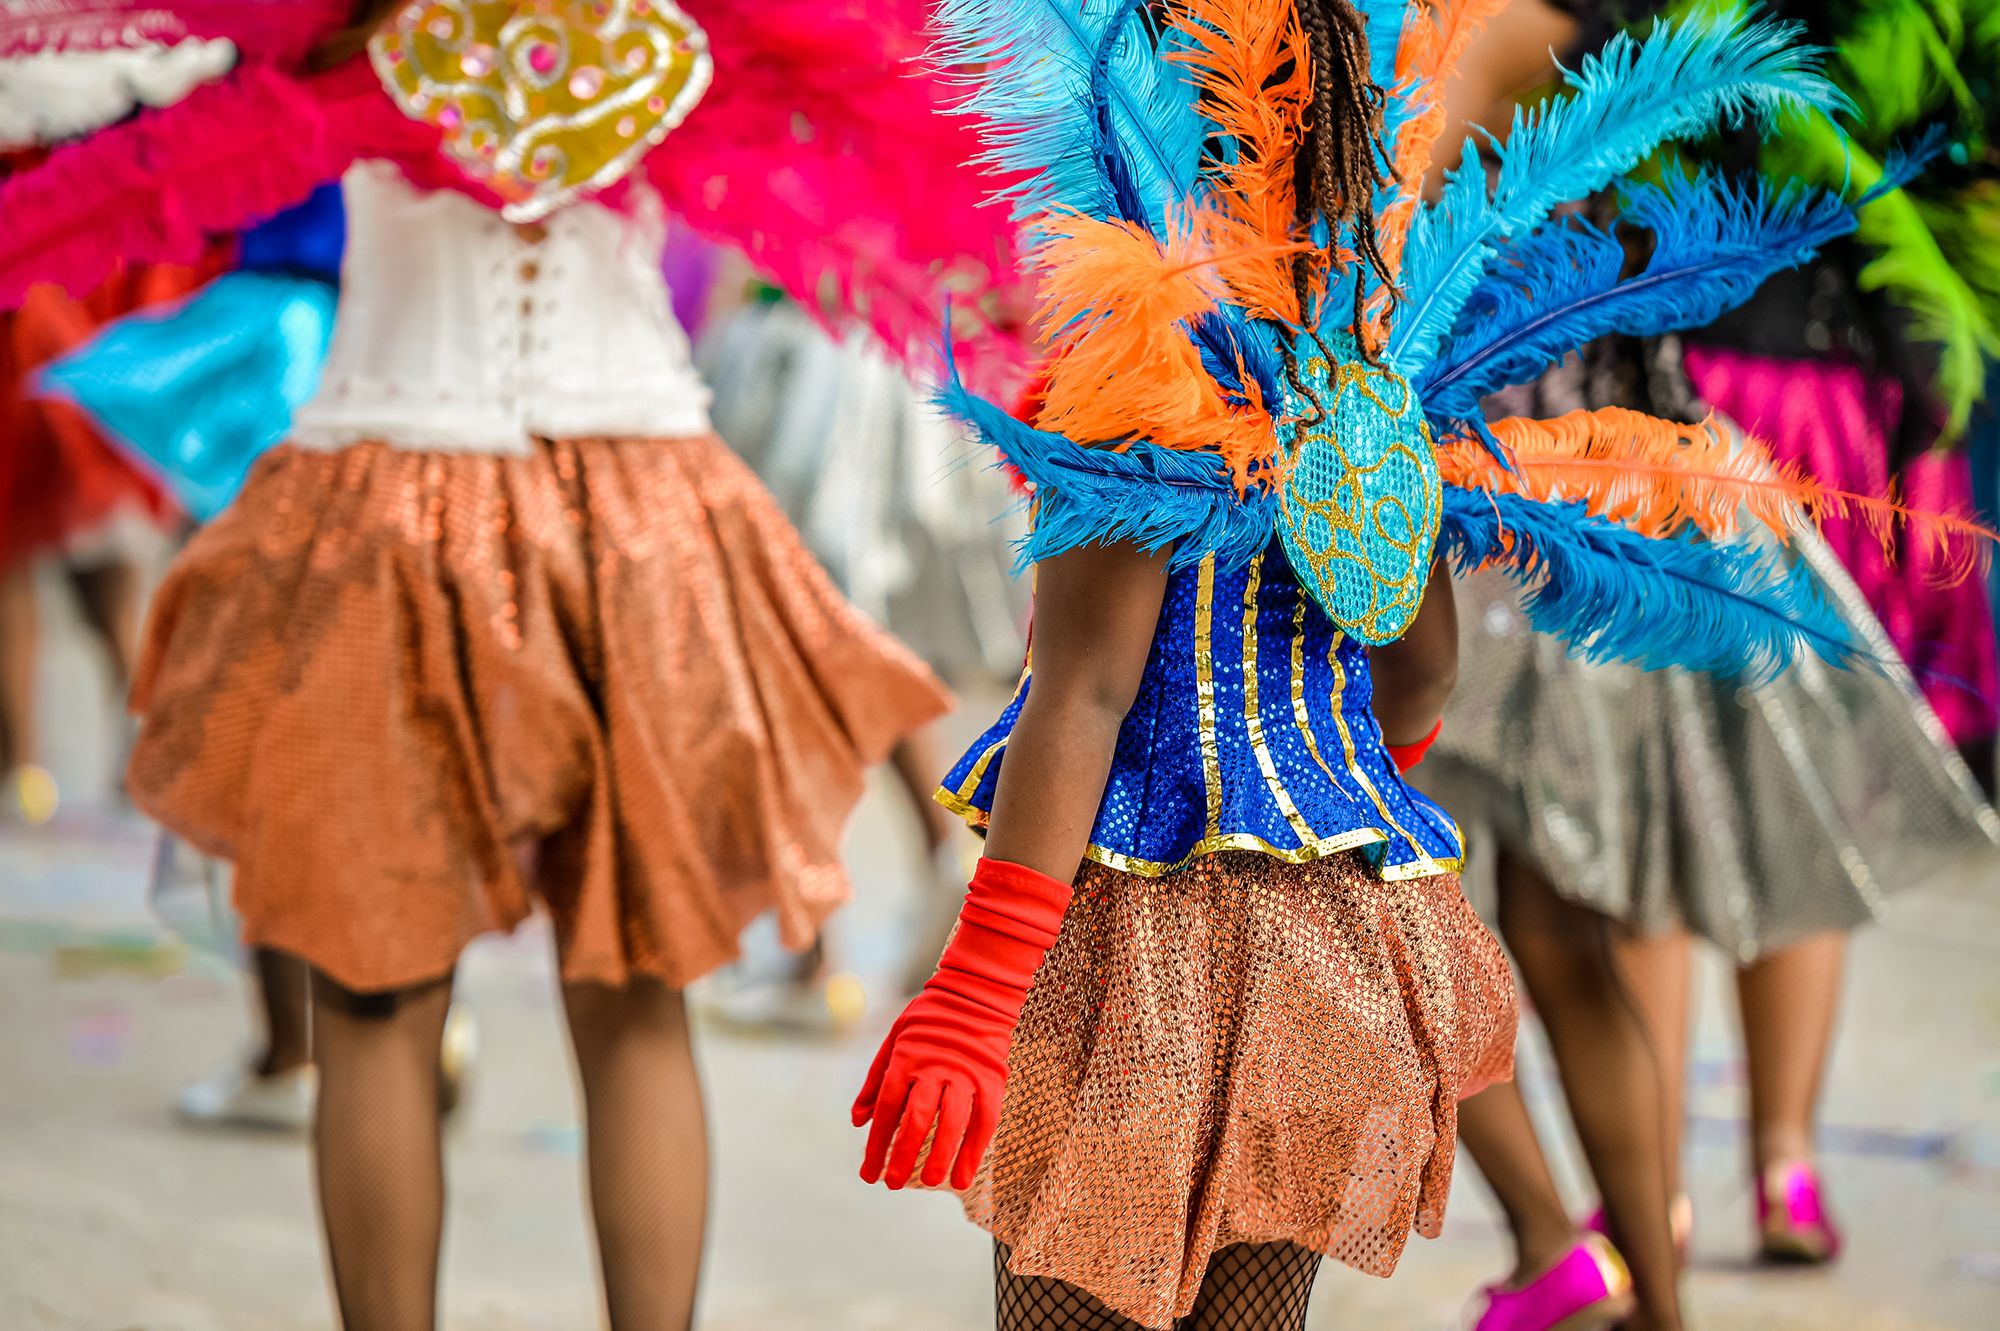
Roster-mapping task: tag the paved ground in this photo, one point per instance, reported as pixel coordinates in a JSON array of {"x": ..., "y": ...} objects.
[{"x": 112, "y": 1218}]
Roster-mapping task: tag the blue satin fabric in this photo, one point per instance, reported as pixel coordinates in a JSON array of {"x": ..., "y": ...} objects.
[
  {"x": 1252, "y": 730},
  {"x": 199, "y": 392},
  {"x": 306, "y": 240}
]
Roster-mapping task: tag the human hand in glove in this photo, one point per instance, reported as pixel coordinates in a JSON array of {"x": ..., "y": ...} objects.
[{"x": 944, "y": 1063}]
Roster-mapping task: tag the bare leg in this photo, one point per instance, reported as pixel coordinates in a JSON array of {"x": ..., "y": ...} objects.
[
  {"x": 1495, "y": 1127},
  {"x": 1611, "y": 1077},
  {"x": 18, "y": 641},
  {"x": 379, "y": 1160},
  {"x": 1658, "y": 974},
  {"x": 1790, "y": 1002},
  {"x": 648, "y": 1149},
  {"x": 917, "y": 771},
  {"x": 285, "y": 1006}
]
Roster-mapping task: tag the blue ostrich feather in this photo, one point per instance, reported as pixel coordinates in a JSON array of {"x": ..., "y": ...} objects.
[
  {"x": 1614, "y": 595},
  {"x": 1050, "y": 61},
  {"x": 1147, "y": 495},
  {"x": 1682, "y": 80},
  {"x": 1715, "y": 242}
]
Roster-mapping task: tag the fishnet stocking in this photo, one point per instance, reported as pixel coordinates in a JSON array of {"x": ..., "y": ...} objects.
[{"x": 1248, "y": 1287}]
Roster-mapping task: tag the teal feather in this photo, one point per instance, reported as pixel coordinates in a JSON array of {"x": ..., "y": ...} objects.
[{"x": 1037, "y": 96}]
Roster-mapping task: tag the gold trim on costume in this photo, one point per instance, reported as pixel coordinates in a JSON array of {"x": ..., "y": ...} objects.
[
  {"x": 977, "y": 819},
  {"x": 1347, "y": 747},
  {"x": 978, "y": 772},
  {"x": 1253, "y": 720},
  {"x": 1204, "y": 692},
  {"x": 1300, "y": 713}
]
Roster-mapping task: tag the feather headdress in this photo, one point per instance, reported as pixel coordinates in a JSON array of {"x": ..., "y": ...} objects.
[{"x": 1195, "y": 403}]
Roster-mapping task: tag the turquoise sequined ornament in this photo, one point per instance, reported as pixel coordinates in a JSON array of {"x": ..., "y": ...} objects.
[{"x": 1362, "y": 499}]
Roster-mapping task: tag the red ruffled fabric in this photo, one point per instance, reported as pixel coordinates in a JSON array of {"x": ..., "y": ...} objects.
[{"x": 58, "y": 477}]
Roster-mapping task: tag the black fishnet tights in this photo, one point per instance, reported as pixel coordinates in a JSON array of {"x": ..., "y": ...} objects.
[{"x": 1248, "y": 1287}]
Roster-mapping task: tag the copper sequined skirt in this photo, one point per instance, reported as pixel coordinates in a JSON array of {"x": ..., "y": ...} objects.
[
  {"x": 1247, "y": 1051},
  {"x": 409, "y": 694}
]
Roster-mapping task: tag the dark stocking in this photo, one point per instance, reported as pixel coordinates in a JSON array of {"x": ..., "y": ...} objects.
[
  {"x": 284, "y": 1002},
  {"x": 378, "y": 1157},
  {"x": 1248, "y": 1287},
  {"x": 109, "y": 595},
  {"x": 648, "y": 1149},
  {"x": 917, "y": 767}
]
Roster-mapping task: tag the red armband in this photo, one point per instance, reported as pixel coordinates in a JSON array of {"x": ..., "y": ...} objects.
[{"x": 1409, "y": 755}]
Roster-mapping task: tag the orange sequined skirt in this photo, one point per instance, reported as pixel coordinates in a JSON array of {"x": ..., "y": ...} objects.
[
  {"x": 1247, "y": 1051},
  {"x": 410, "y": 694}
]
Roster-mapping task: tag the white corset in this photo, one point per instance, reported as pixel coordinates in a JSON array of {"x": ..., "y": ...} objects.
[{"x": 457, "y": 333}]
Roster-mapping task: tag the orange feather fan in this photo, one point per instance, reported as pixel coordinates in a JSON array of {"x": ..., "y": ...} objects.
[
  {"x": 1250, "y": 62},
  {"x": 1115, "y": 303},
  {"x": 1659, "y": 478}
]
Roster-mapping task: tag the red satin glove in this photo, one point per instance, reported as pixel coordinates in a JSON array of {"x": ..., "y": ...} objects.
[
  {"x": 944, "y": 1064},
  {"x": 1406, "y": 756}
]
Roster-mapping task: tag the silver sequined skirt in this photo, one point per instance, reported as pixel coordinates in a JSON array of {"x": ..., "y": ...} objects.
[{"x": 1666, "y": 800}]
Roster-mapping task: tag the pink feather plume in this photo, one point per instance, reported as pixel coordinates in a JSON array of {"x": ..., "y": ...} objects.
[
  {"x": 158, "y": 187},
  {"x": 823, "y": 151}
]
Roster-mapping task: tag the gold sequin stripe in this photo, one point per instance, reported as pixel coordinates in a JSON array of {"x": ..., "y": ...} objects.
[
  {"x": 977, "y": 818},
  {"x": 1253, "y": 720},
  {"x": 1300, "y": 714},
  {"x": 958, "y": 801},
  {"x": 1204, "y": 692},
  {"x": 1424, "y": 859}
]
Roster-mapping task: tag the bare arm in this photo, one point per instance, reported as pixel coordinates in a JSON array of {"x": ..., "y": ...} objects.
[
  {"x": 1414, "y": 675},
  {"x": 1513, "y": 56},
  {"x": 1096, "y": 609}
]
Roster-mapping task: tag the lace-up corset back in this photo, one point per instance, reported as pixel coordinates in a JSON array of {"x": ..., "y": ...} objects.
[{"x": 458, "y": 331}]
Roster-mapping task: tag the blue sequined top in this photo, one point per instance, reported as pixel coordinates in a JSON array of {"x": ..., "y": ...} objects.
[{"x": 1252, "y": 730}]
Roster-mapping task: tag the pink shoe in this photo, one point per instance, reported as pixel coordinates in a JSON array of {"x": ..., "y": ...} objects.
[
  {"x": 1587, "y": 1290},
  {"x": 1680, "y": 1221},
  {"x": 1793, "y": 1226}
]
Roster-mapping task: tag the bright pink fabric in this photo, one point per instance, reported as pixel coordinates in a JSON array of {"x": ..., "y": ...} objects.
[{"x": 1835, "y": 421}]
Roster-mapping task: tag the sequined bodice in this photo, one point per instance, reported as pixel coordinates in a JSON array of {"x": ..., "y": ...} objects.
[{"x": 1252, "y": 730}]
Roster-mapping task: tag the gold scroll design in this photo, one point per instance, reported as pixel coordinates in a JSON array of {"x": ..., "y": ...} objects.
[
  {"x": 543, "y": 102},
  {"x": 1362, "y": 500}
]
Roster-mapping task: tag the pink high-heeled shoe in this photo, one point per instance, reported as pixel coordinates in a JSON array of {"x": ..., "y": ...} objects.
[
  {"x": 1588, "y": 1289},
  {"x": 1793, "y": 1225}
]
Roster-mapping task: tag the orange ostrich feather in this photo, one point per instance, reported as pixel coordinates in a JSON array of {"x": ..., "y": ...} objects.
[
  {"x": 1115, "y": 307},
  {"x": 1250, "y": 62},
  {"x": 1659, "y": 478}
]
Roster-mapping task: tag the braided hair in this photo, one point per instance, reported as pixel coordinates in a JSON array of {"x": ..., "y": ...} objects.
[{"x": 1341, "y": 160}]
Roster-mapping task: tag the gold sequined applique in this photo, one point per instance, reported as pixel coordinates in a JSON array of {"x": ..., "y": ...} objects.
[{"x": 544, "y": 102}]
